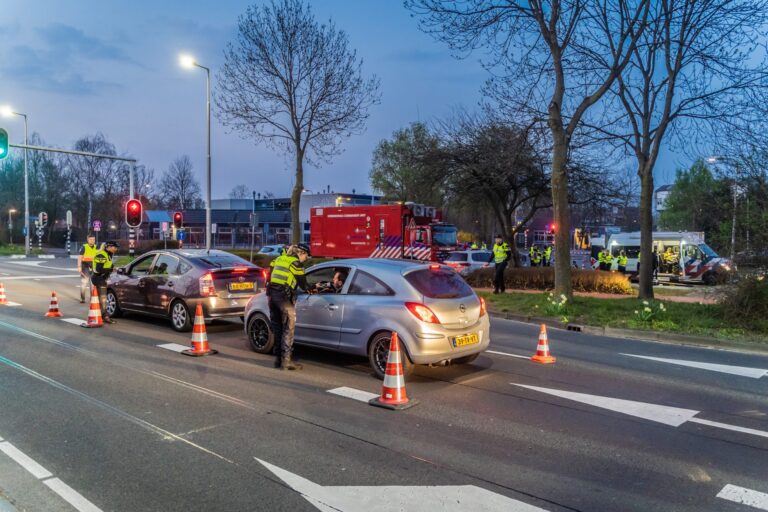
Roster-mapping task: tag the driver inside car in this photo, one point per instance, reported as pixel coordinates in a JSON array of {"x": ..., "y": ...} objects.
[{"x": 333, "y": 286}]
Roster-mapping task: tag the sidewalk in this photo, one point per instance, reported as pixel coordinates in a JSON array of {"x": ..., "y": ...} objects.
[{"x": 691, "y": 298}]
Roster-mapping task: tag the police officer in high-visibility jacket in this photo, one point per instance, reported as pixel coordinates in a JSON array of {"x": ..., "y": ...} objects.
[
  {"x": 102, "y": 269},
  {"x": 287, "y": 274},
  {"x": 85, "y": 264},
  {"x": 501, "y": 253}
]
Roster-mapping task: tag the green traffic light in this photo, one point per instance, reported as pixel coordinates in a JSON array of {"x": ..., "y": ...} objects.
[{"x": 3, "y": 144}]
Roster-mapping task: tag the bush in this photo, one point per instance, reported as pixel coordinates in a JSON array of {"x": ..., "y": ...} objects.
[
  {"x": 543, "y": 278},
  {"x": 746, "y": 304}
]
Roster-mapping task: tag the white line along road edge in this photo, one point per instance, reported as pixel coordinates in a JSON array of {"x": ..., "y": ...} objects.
[
  {"x": 742, "y": 371},
  {"x": 744, "y": 496},
  {"x": 70, "y": 495}
]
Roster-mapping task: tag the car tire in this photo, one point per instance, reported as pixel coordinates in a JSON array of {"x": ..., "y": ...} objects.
[
  {"x": 465, "y": 359},
  {"x": 113, "y": 307},
  {"x": 378, "y": 352},
  {"x": 260, "y": 334},
  {"x": 181, "y": 319},
  {"x": 710, "y": 279}
]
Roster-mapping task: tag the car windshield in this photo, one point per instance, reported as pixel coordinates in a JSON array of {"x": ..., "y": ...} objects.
[
  {"x": 444, "y": 235},
  {"x": 223, "y": 260},
  {"x": 709, "y": 253},
  {"x": 482, "y": 256},
  {"x": 457, "y": 256},
  {"x": 439, "y": 284}
]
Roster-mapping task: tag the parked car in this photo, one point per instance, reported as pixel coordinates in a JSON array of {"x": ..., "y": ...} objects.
[
  {"x": 436, "y": 314},
  {"x": 466, "y": 262},
  {"x": 271, "y": 250},
  {"x": 171, "y": 283}
]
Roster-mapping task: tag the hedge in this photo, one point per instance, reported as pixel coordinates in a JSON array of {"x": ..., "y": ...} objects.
[{"x": 543, "y": 278}]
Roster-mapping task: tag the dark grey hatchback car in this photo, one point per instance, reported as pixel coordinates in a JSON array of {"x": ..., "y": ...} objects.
[{"x": 171, "y": 283}]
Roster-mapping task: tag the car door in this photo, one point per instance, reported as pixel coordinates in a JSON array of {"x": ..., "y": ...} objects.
[
  {"x": 159, "y": 288},
  {"x": 367, "y": 297},
  {"x": 319, "y": 315},
  {"x": 131, "y": 293}
]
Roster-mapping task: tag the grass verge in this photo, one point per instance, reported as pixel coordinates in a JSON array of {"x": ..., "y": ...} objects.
[
  {"x": 10, "y": 250},
  {"x": 678, "y": 317}
]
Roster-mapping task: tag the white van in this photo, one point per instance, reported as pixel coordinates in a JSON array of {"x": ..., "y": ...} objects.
[{"x": 683, "y": 255}]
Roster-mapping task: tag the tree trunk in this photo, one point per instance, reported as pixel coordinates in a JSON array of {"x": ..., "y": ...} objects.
[
  {"x": 296, "y": 225},
  {"x": 562, "y": 220},
  {"x": 646, "y": 232}
]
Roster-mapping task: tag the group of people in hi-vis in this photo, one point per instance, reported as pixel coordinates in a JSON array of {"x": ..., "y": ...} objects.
[{"x": 540, "y": 257}]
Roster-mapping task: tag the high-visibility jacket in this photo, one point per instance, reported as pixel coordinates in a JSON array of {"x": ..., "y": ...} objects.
[
  {"x": 601, "y": 257},
  {"x": 102, "y": 263},
  {"x": 536, "y": 258},
  {"x": 608, "y": 258},
  {"x": 474, "y": 246},
  {"x": 286, "y": 271},
  {"x": 548, "y": 253},
  {"x": 622, "y": 260},
  {"x": 89, "y": 251},
  {"x": 484, "y": 246},
  {"x": 500, "y": 252}
]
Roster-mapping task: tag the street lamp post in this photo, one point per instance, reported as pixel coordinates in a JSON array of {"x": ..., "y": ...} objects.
[
  {"x": 10, "y": 223},
  {"x": 7, "y": 112},
  {"x": 189, "y": 62}
]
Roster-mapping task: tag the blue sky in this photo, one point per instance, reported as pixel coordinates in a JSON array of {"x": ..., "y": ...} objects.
[{"x": 82, "y": 66}]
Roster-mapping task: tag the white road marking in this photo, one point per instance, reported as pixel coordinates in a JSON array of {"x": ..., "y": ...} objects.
[
  {"x": 505, "y": 354},
  {"x": 19, "y": 278},
  {"x": 404, "y": 498},
  {"x": 742, "y": 371},
  {"x": 744, "y": 496},
  {"x": 71, "y": 496},
  {"x": 73, "y": 321},
  {"x": 672, "y": 416},
  {"x": 354, "y": 394},
  {"x": 12, "y": 304},
  {"x": 24, "y": 461},
  {"x": 175, "y": 347}
]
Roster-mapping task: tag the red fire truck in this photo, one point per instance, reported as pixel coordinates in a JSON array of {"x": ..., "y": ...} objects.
[{"x": 410, "y": 231}]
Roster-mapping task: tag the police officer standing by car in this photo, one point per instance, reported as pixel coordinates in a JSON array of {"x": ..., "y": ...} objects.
[
  {"x": 85, "y": 264},
  {"x": 102, "y": 269},
  {"x": 501, "y": 253},
  {"x": 287, "y": 274}
]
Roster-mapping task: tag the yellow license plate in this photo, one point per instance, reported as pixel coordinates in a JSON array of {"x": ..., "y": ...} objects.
[
  {"x": 236, "y": 287},
  {"x": 467, "y": 339}
]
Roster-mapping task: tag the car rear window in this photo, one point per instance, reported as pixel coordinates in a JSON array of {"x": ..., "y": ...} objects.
[
  {"x": 457, "y": 256},
  {"x": 483, "y": 256},
  {"x": 223, "y": 260},
  {"x": 439, "y": 284}
]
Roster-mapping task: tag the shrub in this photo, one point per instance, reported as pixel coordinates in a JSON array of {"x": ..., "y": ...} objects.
[
  {"x": 543, "y": 278},
  {"x": 746, "y": 303}
]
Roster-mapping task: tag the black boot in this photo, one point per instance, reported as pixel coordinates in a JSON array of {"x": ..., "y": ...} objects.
[
  {"x": 277, "y": 362},
  {"x": 288, "y": 364}
]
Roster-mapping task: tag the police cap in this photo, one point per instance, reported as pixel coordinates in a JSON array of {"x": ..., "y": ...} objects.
[
  {"x": 112, "y": 243},
  {"x": 304, "y": 248}
]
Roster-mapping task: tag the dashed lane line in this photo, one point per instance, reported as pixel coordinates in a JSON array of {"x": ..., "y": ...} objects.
[
  {"x": 12, "y": 304},
  {"x": 67, "y": 493},
  {"x": 744, "y": 496},
  {"x": 354, "y": 394},
  {"x": 506, "y": 354}
]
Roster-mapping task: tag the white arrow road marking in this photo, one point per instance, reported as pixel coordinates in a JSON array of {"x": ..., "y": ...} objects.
[
  {"x": 742, "y": 371},
  {"x": 403, "y": 498},
  {"x": 744, "y": 496},
  {"x": 73, "y": 321},
  {"x": 672, "y": 416},
  {"x": 12, "y": 304},
  {"x": 175, "y": 347},
  {"x": 354, "y": 394}
]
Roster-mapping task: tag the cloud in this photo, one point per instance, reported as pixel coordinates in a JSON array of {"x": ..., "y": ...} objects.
[{"x": 63, "y": 39}]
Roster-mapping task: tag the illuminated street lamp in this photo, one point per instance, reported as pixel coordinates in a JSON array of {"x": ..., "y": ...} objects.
[
  {"x": 189, "y": 62},
  {"x": 10, "y": 223},
  {"x": 7, "y": 111}
]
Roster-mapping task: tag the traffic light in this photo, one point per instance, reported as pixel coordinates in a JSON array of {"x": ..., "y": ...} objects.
[
  {"x": 3, "y": 144},
  {"x": 551, "y": 229},
  {"x": 133, "y": 213},
  {"x": 178, "y": 218}
]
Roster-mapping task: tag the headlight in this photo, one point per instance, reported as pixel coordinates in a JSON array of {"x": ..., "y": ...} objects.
[{"x": 726, "y": 267}]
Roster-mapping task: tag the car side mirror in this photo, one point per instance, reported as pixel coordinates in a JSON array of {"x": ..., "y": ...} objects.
[{"x": 121, "y": 270}]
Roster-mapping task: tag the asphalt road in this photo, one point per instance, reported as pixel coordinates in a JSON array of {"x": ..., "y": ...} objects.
[{"x": 103, "y": 419}]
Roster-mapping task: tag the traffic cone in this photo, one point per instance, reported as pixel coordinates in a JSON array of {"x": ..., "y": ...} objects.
[
  {"x": 542, "y": 350},
  {"x": 393, "y": 394},
  {"x": 199, "y": 337},
  {"x": 3, "y": 300},
  {"x": 94, "y": 311},
  {"x": 53, "y": 308}
]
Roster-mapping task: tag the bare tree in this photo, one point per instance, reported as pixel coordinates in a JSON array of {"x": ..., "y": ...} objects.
[
  {"x": 697, "y": 78},
  {"x": 239, "y": 192},
  {"x": 93, "y": 176},
  {"x": 178, "y": 188},
  {"x": 294, "y": 83},
  {"x": 556, "y": 63}
]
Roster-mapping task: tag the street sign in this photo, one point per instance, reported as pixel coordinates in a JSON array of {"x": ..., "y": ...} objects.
[
  {"x": 164, "y": 227},
  {"x": 213, "y": 228},
  {"x": 69, "y": 218},
  {"x": 97, "y": 225},
  {"x": 181, "y": 235}
]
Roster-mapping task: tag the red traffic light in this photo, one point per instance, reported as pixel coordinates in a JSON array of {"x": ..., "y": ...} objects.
[
  {"x": 177, "y": 219},
  {"x": 133, "y": 213}
]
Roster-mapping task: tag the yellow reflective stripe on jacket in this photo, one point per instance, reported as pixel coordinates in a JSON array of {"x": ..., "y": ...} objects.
[
  {"x": 284, "y": 271},
  {"x": 102, "y": 258},
  {"x": 89, "y": 252}
]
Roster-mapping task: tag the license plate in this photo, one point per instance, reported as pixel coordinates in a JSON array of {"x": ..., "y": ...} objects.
[
  {"x": 238, "y": 287},
  {"x": 467, "y": 339}
]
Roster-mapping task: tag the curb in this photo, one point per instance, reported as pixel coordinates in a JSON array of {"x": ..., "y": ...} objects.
[{"x": 652, "y": 336}]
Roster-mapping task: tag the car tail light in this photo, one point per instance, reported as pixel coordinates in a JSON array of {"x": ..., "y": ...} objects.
[
  {"x": 206, "y": 285},
  {"x": 240, "y": 269},
  {"x": 434, "y": 266},
  {"x": 265, "y": 274},
  {"x": 483, "y": 311},
  {"x": 422, "y": 312}
]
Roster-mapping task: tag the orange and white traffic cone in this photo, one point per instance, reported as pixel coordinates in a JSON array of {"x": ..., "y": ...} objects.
[
  {"x": 3, "y": 299},
  {"x": 53, "y": 308},
  {"x": 199, "y": 337},
  {"x": 94, "y": 311},
  {"x": 542, "y": 350},
  {"x": 393, "y": 394}
]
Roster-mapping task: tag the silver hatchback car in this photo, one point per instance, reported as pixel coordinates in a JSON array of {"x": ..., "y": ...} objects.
[{"x": 436, "y": 314}]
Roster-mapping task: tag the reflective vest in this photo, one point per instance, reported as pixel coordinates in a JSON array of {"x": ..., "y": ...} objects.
[
  {"x": 601, "y": 257},
  {"x": 104, "y": 260},
  {"x": 484, "y": 246},
  {"x": 89, "y": 251},
  {"x": 500, "y": 252},
  {"x": 536, "y": 258},
  {"x": 284, "y": 271},
  {"x": 548, "y": 253},
  {"x": 474, "y": 246},
  {"x": 608, "y": 258},
  {"x": 622, "y": 261}
]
